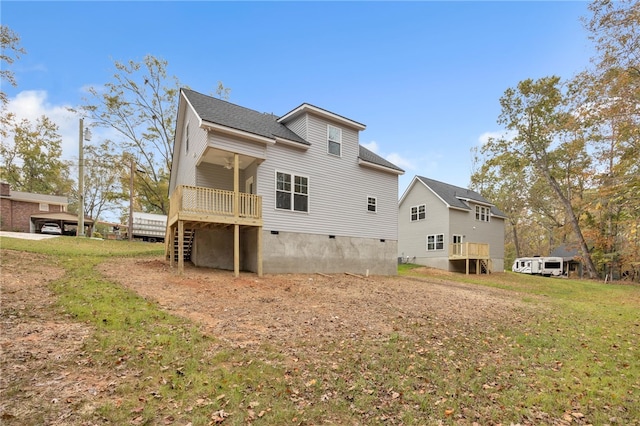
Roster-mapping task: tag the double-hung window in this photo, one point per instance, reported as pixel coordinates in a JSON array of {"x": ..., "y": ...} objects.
[
  {"x": 292, "y": 192},
  {"x": 482, "y": 213},
  {"x": 435, "y": 242},
  {"x": 372, "y": 204},
  {"x": 418, "y": 212},
  {"x": 334, "y": 140}
]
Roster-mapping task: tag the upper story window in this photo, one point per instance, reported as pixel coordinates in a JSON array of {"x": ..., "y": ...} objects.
[
  {"x": 418, "y": 212},
  {"x": 334, "y": 140},
  {"x": 44, "y": 207},
  {"x": 292, "y": 192},
  {"x": 372, "y": 204},
  {"x": 483, "y": 213}
]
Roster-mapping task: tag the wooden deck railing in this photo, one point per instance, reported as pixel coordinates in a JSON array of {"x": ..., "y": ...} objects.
[
  {"x": 469, "y": 251},
  {"x": 197, "y": 200}
]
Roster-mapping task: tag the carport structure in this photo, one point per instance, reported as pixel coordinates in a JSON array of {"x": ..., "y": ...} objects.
[{"x": 68, "y": 222}]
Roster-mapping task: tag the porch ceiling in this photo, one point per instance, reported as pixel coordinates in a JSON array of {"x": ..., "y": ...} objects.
[{"x": 225, "y": 158}]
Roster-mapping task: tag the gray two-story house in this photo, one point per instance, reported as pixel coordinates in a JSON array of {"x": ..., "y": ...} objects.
[
  {"x": 295, "y": 193},
  {"x": 447, "y": 227}
]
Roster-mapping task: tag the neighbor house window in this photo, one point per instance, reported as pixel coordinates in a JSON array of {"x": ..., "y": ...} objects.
[
  {"x": 292, "y": 192},
  {"x": 482, "y": 213},
  {"x": 334, "y": 137},
  {"x": 44, "y": 207},
  {"x": 435, "y": 242},
  {"x": 418, "y": 212},
  {"x": 372, "y": 204}
]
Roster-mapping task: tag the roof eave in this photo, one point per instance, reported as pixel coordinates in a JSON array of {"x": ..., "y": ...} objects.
[
  {"x": 294, "y": 144},
  {"x": 307, "y": 108},
  {"x": 207, "y": 125},
  {"x": 379, "y": 167}
]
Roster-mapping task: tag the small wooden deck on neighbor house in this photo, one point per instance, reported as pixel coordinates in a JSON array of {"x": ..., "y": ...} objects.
[
  {"x": 195, "y": 207},
  {"x": 478, "y": 252}
]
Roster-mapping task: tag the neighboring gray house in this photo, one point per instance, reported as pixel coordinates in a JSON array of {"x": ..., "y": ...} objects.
[
  {"x": 292, "y": 194},
  {"x": 451, "y": 228}
]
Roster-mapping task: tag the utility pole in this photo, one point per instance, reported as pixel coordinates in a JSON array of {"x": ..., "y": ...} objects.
[
  {"x": 131, "y": 172},
  {"x": 80, "y": 230}
]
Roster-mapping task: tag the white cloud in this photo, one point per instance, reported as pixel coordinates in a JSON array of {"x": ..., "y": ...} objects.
[
  {"x": 371, "y": 146},
  {"x": 395, "y": 158},
  {"x": 483, "y": 139},
  {"x": 32, "y": 104}
]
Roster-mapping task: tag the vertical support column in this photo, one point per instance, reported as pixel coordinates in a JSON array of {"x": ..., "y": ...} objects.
[
  {"x": 236, "y": 184},
  {"x": 172, "y": 246},
  {"x": 477, "y": 266},
  {"x": 180, "y": 247},
  {"x": 236, "y": 250},
  {"x": 259, "y": 239},
  {"x": 467, "y": 262}
]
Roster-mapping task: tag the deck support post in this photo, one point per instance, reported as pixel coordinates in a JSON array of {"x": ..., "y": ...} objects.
[
  {"x": 259, "y": 239},
  {"x": 172, "y": 246},
  {"x": 180, "y": 247},
  {"x": 477, "y": 266},
  {"x": 236, "y": 250},
  {"x": 467, "y": 262}
]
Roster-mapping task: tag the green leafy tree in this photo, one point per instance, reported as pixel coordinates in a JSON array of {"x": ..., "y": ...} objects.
[
  {"x": 534, "y": 113},
  {"x": 102, "y": 189},
  {"x": 610, "y": 94},
  {"x": 32, "y": 162},
  {"x": 140, "y": 105}
]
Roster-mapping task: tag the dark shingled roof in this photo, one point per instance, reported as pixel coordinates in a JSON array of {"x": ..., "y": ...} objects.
[
  {"x": 452, "y": 195},
  {"x": 371, "y": 157},
  {"x": 226, "y": 114}
]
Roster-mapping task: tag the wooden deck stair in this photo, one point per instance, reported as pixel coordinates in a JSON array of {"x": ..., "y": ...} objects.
[
  {"x": 485, "y": 266},
  {"x": 189, "y": 235}
]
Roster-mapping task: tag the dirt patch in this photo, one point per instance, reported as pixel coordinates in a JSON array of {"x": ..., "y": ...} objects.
[
  {"x": 40, "y": 347},
  {"x": 48, "y": 379},
  {"x": 251, "y": 310}
]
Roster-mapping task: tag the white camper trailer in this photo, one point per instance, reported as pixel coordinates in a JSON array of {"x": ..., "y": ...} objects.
[{"x": 547, "y": 266}]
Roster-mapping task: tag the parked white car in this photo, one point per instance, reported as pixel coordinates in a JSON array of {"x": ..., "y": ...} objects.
[{"x": 51, "y": 228}]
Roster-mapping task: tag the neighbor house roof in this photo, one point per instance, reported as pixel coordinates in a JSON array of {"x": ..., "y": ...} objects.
[
  {"x": 37, "y": 198},
  {"x": 226, "y": 114},
  {"x": 457, "y": 197}
]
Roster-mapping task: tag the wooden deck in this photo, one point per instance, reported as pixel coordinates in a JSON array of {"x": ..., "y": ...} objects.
[
  {"x": 195, "y": 207},
  {"x": 199, "y": 205},
  {"x": 469, "y": 251},
  {"x": 476, "y": 252}
]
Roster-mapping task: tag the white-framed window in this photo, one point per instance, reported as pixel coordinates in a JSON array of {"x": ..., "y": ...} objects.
[
  {"x": 334, "y": 140},
  {"x": 186, "y": 137},
  {"x": 483, "y": 213},
  {"x": 435, "y": 242},
  {"x": 372, "y": 204},
  {"x": 418, "y": 212},
  {"x": 292, "y": 192},
  {"x": 44, "y": 207}
]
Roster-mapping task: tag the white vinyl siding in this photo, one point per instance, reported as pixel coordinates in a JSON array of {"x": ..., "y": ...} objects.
[
  {"x": 331, "y": 211},
  {"x": 334, "y": 140},
  {"x": 184, "y": 167}
]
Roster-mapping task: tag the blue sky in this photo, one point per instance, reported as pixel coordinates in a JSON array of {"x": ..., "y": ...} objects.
[{"x": 424, "y": 77}]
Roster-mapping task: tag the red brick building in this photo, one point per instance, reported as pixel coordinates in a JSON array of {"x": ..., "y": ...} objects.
[{"x": 27, "y": 212}]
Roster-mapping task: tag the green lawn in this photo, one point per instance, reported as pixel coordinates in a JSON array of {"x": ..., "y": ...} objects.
[{"x": 576, "y": 361}]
